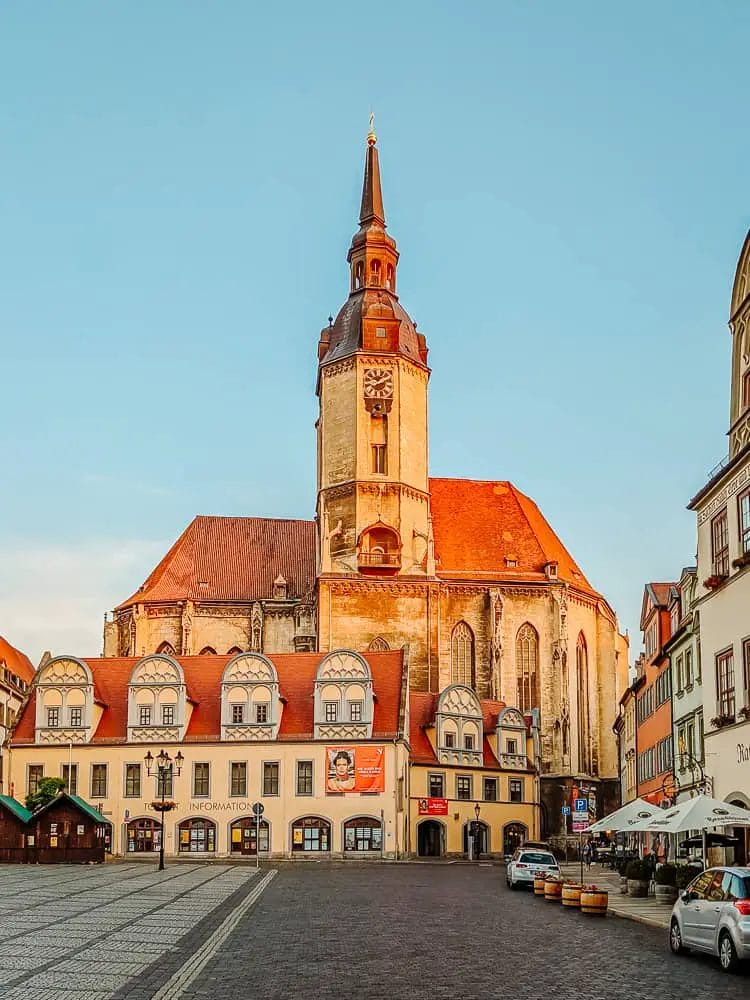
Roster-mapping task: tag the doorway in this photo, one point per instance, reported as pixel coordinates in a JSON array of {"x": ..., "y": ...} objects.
[
  {"x": 430, "y": 839},
  {"x": 481, "y": 842}
]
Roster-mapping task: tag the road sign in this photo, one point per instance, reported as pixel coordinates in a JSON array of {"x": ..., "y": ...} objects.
[
  {"x": 566, "y": 810},
  {"x": 580, "y": 822},
  {"x": 581, "y": 805},
  {"x": 257, "y": 808}
]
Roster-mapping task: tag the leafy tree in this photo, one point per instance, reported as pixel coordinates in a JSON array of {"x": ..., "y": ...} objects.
[{"x": 47, "y": 790}]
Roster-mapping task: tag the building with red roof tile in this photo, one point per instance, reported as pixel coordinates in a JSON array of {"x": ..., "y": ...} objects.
[
  {"x": 16, "y": 674},
  {"x": 468, "y": 574}
]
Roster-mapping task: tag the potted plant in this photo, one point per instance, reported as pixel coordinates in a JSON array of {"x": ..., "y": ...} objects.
[
  {"x": 666, "y": 883},
  {"x": 684, "y": 875},
  {"x": 743, "y": 560},
  {"x": 714, "y": 581},
  {"x": 719, "y": 721},
  {"x": 594, "y": 900},
  {"x": 744, "y": 712},
  {"x": 639, "y": 877},
  {"x": 621, "y": 867},
  {"x": 160, "y": 806}
]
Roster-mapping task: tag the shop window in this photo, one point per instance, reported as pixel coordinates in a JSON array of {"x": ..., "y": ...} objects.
[
  {"x": 247, "y": 835},
  {"x": 197, "y": 836},
  {"x": 311, "y": 834},
  {"x": 144, "y": 836},
  {"x": 363, "y": 834}
]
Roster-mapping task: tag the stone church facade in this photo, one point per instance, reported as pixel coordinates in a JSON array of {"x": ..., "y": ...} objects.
[{"x": 468, "y": 574}]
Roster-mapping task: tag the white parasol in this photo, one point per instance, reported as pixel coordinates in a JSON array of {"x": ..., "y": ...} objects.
[{"x": 631, "y": 816}]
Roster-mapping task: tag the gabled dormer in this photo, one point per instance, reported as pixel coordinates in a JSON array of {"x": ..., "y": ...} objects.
[
  {"x": 344, "y": 698},
  {"x": 158, "y": 706},
  {"x": 250, "y": 701},
  {"x": 510, "y": 734},
  {"x": 65, "y": 708},
  {"x": 459, "y": 730}
]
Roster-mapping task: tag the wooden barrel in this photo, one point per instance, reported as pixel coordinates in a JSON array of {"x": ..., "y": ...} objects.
[
  {"x": 539, "y": 883},
  {"x": 571, "y": 894},
  {"x": 553, "y": 890},
  {"x": 594, "y": 901}
]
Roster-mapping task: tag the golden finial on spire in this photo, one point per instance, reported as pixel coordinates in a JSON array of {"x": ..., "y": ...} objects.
[{"x": 371, "y": 137}]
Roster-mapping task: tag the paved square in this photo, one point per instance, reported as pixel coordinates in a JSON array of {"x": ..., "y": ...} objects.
[{"x": 84, "y": 932}]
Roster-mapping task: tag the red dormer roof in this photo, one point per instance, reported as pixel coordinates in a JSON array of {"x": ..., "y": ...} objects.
[
  {"x": 296, "y": 672},
  {"x": 422, "y": 711},
  {"x": 16, "y": 661},
  {"x": 492, "y": 531}
]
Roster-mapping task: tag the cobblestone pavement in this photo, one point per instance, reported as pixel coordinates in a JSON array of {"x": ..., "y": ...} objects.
[
  {"x": 453, "y": 931},
  {"x": 82, "y": 932}
]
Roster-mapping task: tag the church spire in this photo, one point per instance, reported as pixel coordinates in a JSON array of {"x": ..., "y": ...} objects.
[{"x": 371, "y": 210}]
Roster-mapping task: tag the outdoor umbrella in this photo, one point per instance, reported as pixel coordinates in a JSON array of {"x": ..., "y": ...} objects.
[
  {"x": 700, "y": 813},
  {"x": 628, "y": 817}
]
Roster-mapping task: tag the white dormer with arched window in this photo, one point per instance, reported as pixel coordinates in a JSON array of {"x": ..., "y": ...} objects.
[
  {"x": 511, "y": 739},
  {"x": 65, "y": 708},
  {"x": 157, "y": 700},
  {"x": 459, "y": 730},
  {"x": 250, "y": 701},
  {"x": 344, "y": 698}
]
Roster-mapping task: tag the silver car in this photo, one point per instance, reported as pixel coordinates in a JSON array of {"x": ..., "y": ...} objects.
[{"x": 713, "y": 915}]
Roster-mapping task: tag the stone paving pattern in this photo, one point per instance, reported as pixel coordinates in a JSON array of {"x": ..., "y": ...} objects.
[
  {"x": 84, "y": 932},
  {"x": 452, "y": 931}
]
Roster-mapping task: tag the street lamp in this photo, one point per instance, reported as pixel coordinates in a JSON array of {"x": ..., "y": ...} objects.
[{"x": 164, "y": 767}]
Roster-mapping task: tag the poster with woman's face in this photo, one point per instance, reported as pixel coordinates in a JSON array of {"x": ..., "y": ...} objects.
[{"x": 355, "y": 769}]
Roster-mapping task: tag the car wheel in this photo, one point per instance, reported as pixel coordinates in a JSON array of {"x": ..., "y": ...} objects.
[
  {"x": 512, "y": 884},
  {"x": 728, "y": 953},
  {"x": 675, "y": 939}
]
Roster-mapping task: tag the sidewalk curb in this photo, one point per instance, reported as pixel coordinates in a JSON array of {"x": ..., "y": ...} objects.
[{"x": 636, "y": 918}]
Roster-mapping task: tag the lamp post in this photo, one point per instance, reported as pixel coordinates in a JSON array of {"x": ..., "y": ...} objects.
[{"x": 163, "y": 766}]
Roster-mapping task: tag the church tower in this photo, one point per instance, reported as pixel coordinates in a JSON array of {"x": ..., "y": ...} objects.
[{"x": 373, "y": 492}]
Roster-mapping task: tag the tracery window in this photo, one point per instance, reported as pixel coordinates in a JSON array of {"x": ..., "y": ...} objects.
[
  {"x": 582, "y": 682},
  {"x": 166, "y": 648},
  {"x": 527, "y": 667},
  {"x": 462, "y": 655}
]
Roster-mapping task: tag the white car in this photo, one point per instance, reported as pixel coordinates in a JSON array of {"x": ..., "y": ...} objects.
[
  {"x": 713, "y": 915},
  {"x": 527, "y": 863}
]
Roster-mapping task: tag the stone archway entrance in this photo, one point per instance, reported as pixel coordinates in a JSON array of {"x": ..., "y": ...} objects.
[
  {"x": 430, "y": 839},
  {"x": 483, "y": 839},
  {"x": 514, "y": 834}
]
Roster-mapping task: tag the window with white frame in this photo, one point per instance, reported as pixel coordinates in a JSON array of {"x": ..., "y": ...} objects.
[
  {"x": 238, "y": 714},
  {"x": 725, "y": 684},
  {"x": 261, "y": 712},
  {"x": 331, "y": 711},
  {"x": 144, "y": 715},
  {"x": 167, "y": 715},
  {"x": 720, "y": 544},
  {"x": 355, "y": 711}
]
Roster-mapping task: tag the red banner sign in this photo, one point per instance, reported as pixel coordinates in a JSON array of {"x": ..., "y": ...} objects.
[{"x": 433, "y": 807}]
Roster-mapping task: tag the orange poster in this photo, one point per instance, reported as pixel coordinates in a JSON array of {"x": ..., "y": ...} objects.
[{"x": 355, "y": 769}]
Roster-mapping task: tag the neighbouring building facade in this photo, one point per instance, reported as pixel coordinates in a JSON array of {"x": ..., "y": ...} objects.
[
  {"x": 653, "y": 695},
  {"x": 467, "y": 574},
  {"x": 722, "y": 509},
  {"x": 16, "y": 675},
  {"x": 683, "y": 650},
  {"x": 322, "y": 740},
  {"x": 626, "y": 732}
]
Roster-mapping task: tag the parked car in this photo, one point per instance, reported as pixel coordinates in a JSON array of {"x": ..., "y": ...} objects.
[
  {"x": 713, "y": 915},
  {"x": 526, "y": 864}
]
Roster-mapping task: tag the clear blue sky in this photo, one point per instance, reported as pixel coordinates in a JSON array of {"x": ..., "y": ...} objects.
[{"x": 568, "y": 187}]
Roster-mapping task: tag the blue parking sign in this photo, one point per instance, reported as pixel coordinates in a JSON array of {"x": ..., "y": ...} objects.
[
  {"x": 581, "y": 805},
  {"x": 566, "y": 810}
]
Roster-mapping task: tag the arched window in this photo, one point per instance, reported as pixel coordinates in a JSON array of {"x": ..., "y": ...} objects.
[
  {"x": 311, "y": 833},
  {"x": 375, "y": 272},
  {"x": 359, "y": 274},
  {"x": 197, "y": 836},
  {"x": 378, "y": 645},
  {"x": 363, "y": 834},
  {"x": 389, "y": 276},
  {"x": 243, "y": 834},
  {"x": 527, "y": 664},
  {"x": 746, "y": 390},
  {"x": 143, "y": 836},
  {"x": 166, "y": 648},
  {"x": 582, "y": 687},
  {"x": 207, "y": 651},
  {"x": 233, "y": 651},
  {"x": 462, "y": 655}
]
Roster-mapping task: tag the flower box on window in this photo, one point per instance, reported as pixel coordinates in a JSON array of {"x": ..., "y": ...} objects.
[
  {"x": 743, "y": 560},
  {"x": 714, "y": 581},
  {"x": 719, "y": 721}
]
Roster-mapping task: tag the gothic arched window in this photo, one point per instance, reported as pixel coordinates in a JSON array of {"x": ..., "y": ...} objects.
[
  {"x": 166, "y": 648},
  {"x": 207, "y": 651},
  {"x": 375, "y": 272},
  {"x": 462, "y": 655},
  {"x": 582, "y": 688},
  {"x": 378, "y": 645},
  {"x": 527, "y": 667}
]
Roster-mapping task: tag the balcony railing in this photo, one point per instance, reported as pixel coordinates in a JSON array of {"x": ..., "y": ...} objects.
[{"x": 379, "y": 559}]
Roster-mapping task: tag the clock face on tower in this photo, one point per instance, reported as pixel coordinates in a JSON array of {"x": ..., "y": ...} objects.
[{"x": 378, "y": 383}]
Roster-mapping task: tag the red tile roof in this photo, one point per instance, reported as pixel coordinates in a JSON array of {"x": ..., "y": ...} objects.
[
  {"x": 296, "y": 672},
  {"x": 233, "y": 559},
  {"x": 422, "y": 711},
  {"x": 479, "y": 525},
  {"x": 16, "y": 661}
]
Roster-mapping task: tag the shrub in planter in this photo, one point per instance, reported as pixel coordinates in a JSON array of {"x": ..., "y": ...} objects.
[
  {"x": 684, "y": 875},
  {"x": 666, "y": 884},
  {"x": 639, "y": 876}
]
